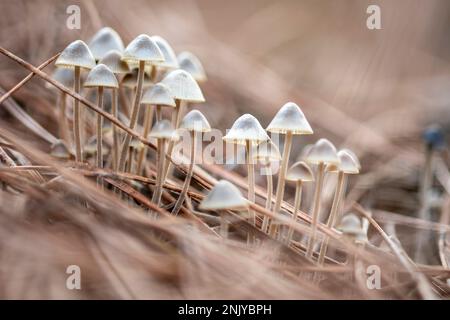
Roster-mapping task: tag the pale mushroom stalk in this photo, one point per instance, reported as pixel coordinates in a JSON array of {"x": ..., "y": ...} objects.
[
  {"x": 76, "y": 116},
  {"x": 316, "y": 208},
  {"x": 297, "y": 203},
  {"x": 223, "y": 225},
  {"x": 148, "y": 118},
  {"x": 115, "y": 113},
  {"x": 158, "y": 113},
  {"x": 100, "y": 129},
  {"x": 269, "y": 179},
  {"x": 187, "y": 180},
  {"x": 134, "y": 114},
  {"x": 251, "y": 177},
  {"x": 175, "y": 122},
  {"x": 160, "y": 177}
]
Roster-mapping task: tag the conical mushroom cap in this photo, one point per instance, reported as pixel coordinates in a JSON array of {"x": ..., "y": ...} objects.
[
  {"x": 300, "y": 171},
  {"x": 65, "y": 76},
  {"x": 143, "y": 48},
  {"x": 170, "y": 60},
  {"x": 246, "y": 128},
  {"x": 104, "y": 40},
  {"x": 266, "y": 152},
  {"x": 163, "y": 130},
  {"x": 354, "y": 156},
  {"x": 190, "y": 63},
  {"x": 347, "y": 164},
  {"x": 136, "y": 144},
  {"x": 101, "y": 76},
  {"x": 350, "y": 224},
  {"x": 304, "y": 152},
  {"x": 130, "y": 80},
  {"x": 91, "y": 147},
  {"x": 159, "y": 94},
  {"x": 76, "y": 54},
  {"x": 183, "y": 86},
  {"x": 60, "y": 150},
  {"x": 290, "y": 118},
  {"x": 323, "y": 151},
  {"x": 195, "y": 121},
  {"x": 113, "y": 60},
  {"x": 224, "y": 196}
]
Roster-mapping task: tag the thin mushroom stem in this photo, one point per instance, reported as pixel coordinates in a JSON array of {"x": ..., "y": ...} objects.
[
  {"x": 251, "y": 177},
  {"x": 99, "y": 129},
  {"x": 134, "y": 115},
  {"x": 115, "y": 114},
  {"x": 223, "y": 226},
  {"x": 156, "y": 198},
  {"x": 63, "y": 129},
  {"x": 148, "y": 118},
  {"x": 269, "y": 196},
  {"x": 297, "y": 203},
  {"x": 333, "y": 214},
  {"x": 316, "y": 209},
  {"x": 175, "y": 123},
  {"x": 282, "y": 178},
  {"x": 76, "y": 116},
  {"x": 158, "y": 113},
  {"x": 187, "y": 181}
]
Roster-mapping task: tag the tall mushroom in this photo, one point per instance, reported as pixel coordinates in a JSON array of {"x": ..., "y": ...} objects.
[
  {"x": 146, "y": 52},
  {"x": 170, "y": 60},
  {"x": 322, "y": 153},
  {"x": 299, "y": 173},
  {"x": 289, "y": 121},
  {"x": 159, "y": 95},
  {"x": 247, "y": 130},
  {"x": 190, "y": 63},
  {"x": 113, "y": 60},
  {"x": 76, "y": 55},
  {"x": 348, "y": 165},
  {"x": 224, "y": 196},
  {"x": 196, "y": 123},
  {"x": 105, "y": 40},
  {"x": 100, "y": 77},
  {"x": 163, "y": 131}
]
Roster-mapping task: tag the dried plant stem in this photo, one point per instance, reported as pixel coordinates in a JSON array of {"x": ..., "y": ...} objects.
[
  {"x": 187, "y": 180},
  {"x": 297, "y": 203},
  {"x": 316, "y": 209},
  {"x": 100, "y": 129},
  {"x": 281, "y": 179},
  {"x": 76, "y": 117},
  {"x": 269, "y": 197},
  {"x": 134, "y": 115},
  {"x": 156, "y": 198},
  {"x": 333, "y": 214},
  {"x": 62, "y": 125},
  {"x": 148, "y": 119},
  {"x": 251, "y": 177},
  {"x": 115, "y": 114}
]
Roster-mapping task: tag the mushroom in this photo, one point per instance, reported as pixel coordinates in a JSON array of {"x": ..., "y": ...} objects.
[
  {"x": 60, "y": 150},
  {"x": 248, "y": 131},
  {"x": 348, "y": 165},
  {"x": 190, "y": 63},
  {"x": 163, "y": 131},
  {"x": 196, "y": 123},
  {"x": 224, "y": 196},
  {"x": 105, "y": 40},
  {"x": 266, "y": 153},
  {"x": 113, "y": 60},
  {"x": 145, "y": 51},
  {"x": 323, "y": 152},
  {"x": 159, "y": 95},
  {"x": 76, "y": 55},
  {"x": 351, "y": 226},
  {"x": 290, "y": 121},
  {"x": 299, "y": 172},
  {"x": 100, "y": 77},
  {"x": 170, "y": 60}
]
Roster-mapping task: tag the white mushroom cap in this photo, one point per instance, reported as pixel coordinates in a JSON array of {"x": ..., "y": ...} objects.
[
  {"x": 159, "y": 94},
  {"x": 183, "y": 86},
  {"x": 304, "y": 152},
  {"x": 90, "y": 147},
  {"x": 65, "y": 76},
  {"x": 347, "y": 164},
  {"x": 246, "y": 128},
  {"x": 136, "y": 144},
  {"x": 76, "y": 54},
  {"x": 195, "y": 121},
  {"x": 143, "y": 48},
  {"x": 190, "y": 63},
  {"x": 170, "y": 60},
  {"x": 351, "y": 225},
  {"x": 104, "y": 40},
  {"x": 163, "y": 130},
  {"x": 113, "y": 60},
  {"x": 323, "y": 151},
  {"x": 101, "y": 76},
  {"x": 266, "y": 152},
  {"x": 60, "y": 150},
  {"x": 290, "y": 118},
  {"x": 300, "y": 171},
  {"x": 130, "y": 80},
  {"x": 354, "y": 156},
  {"x": 224, "y": 196}
]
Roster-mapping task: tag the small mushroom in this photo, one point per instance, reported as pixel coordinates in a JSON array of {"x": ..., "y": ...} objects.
[
  {"x": 196, "y": 123},
  {"x": 247, "y": 130},
  {"x": 321, "y": 154},
  {"x": 224, "y": 196},
  {"x": 60, "y": 150},
  {"x": 76, "y": 56},
  {"x": 348, "y": 165},
  {"x": 146, "y": 52},
  {"x": 290, "y": 121},
  {"x": 113, "y": 60},
  {"x": 163, "y": 131},
  {"x": 170, "y": 60},
  {"x": 190, "y": 63},
  {"x": 100, "y": 77},
  {"x": 159, "y": 95},
  {"x": 351, "y": 226},
  {"x": 103, "y": 41},
  {"x": 299, "y": 172}
]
